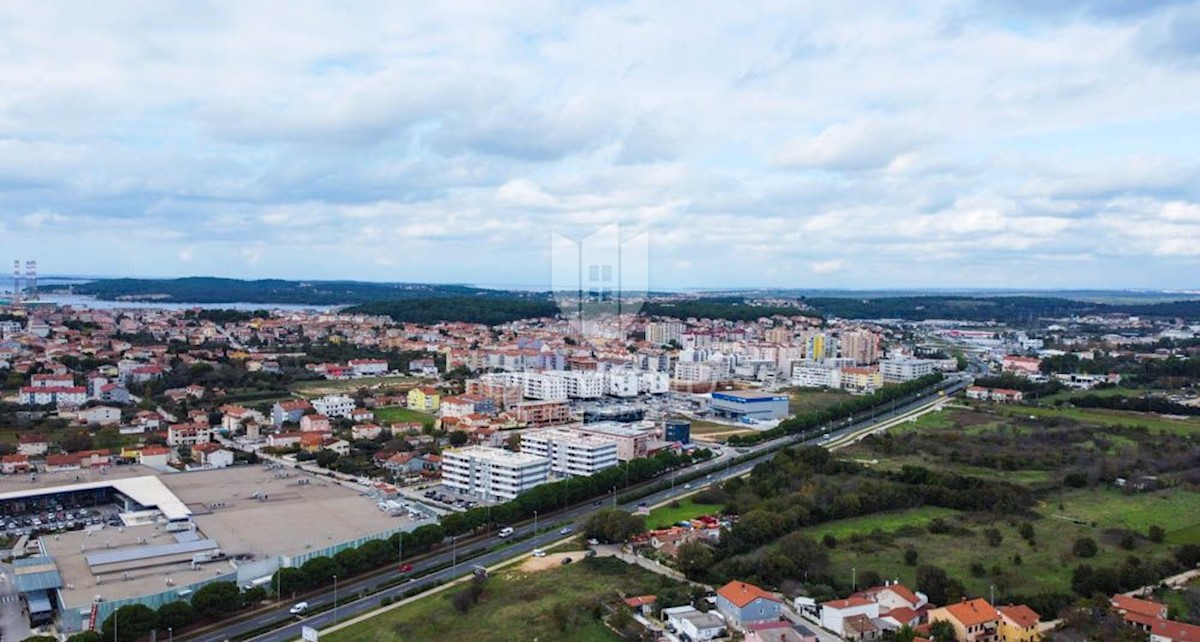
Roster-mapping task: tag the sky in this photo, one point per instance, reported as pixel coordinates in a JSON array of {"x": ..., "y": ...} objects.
[{"x": 992, "y": 144}]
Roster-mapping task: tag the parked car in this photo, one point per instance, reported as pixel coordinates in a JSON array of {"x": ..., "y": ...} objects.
[
  {"x": 537, "y": 552},
  {"x": 566, "y": 560},
  {"x": 298, "y": 608},
  {"x": 593, "y": 542}
]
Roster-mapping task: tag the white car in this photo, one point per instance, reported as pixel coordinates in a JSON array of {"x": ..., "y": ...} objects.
[
  {"x": 565, "y": 530},
  {"x": 537, "y": 552},
  {"x": 299, "y": 608}
]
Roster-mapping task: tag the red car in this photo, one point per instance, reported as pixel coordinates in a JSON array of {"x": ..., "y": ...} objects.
[{"x": 406, "y": 568}]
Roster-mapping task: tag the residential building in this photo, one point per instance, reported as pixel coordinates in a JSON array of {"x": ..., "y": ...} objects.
[
  {"x": 1021, "y": 365},
  {"x": 188, "y": 434},
  {"x": 368, "y": 367},
  {"x": 1004, "y": 395},
  {"x": 467, "y": 404},
  {"x": 901, "y": 370},
  {"x": 289, "y": 411},
  {"x": 284, "y": 439},
  {"x": 14, "y": 464},
  {"x": 742, "y": 604},
  {"x": 693, "y": 623},
  {"x": 46, "y": 395},
  {"x": 211, "y": 455},
  {"x": 835, "y": 614},
  {"x": 632, "y": 441},
  {"x": 664, "y": 332},
  {"x": 860, "y": 345},
  {"x": 492, "y": 474},
  {"x": 501, "y": 393},
  {"x": 51, "y": 381},
  {"x": 816, "y": 374},
  {"x": 32, "y": 445},
  {"x": 750, "y": 404},
  {"x": 334, "y": 405},
  {"x": 861, "y": 379},
  {"x": 1019, "y": 623},
  {"x": 424, "y": 398},
  {"x": 156, "y": 457},
  {"x": 973, "y": 620},
  {"x": 570, "y": 453},
  {"x": 102, "y": 415},
  {"x": 536, "y": 414},
  {"x": 315, "y": 423},
  {"x": 779, "y": 632}
]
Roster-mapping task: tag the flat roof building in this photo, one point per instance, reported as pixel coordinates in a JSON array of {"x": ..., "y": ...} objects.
[
  {"x": 492, "y": 474},
  {"x": 570, "y": 453},
  {"x": 750, "y": 404}
]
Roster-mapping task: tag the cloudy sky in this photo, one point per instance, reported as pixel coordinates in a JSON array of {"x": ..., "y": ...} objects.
[{"x": 998, "y": 143}]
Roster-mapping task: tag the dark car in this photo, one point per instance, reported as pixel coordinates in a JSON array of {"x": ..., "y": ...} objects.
[{"x": 566, "y": 560}]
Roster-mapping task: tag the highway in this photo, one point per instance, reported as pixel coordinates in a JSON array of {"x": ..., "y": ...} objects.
[{"x": 462, "y": 561}]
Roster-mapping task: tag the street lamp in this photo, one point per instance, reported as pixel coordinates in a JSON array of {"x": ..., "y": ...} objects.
[
  {"x": 453, "y": 554},
  {"x": 535, "y": 523},
  {"x": 335, "y": 601},
  {"x": 170, "y": 634}
]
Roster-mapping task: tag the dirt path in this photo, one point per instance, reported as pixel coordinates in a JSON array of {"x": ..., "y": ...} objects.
[{"x": 551, "y": 560}]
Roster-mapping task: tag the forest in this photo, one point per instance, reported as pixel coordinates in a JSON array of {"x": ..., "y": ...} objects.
[{"x": 273, "y": 291}]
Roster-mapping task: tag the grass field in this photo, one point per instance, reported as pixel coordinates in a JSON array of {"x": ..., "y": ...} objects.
[
  {"x": 555, "y": 604},
  {"x": 1173, "y": 509},
  {"x": 1046, "y": 566},
  {"x": 324, "y": 387},
  {"x": 1103, "y": 417},
  {"x": 399, "y": 414},
  {"x": 803, "y": 399},
  {"x": 666, "y": 515}
]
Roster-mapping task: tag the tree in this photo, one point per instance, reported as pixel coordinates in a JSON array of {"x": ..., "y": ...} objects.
[
  {"x": 458, "y": 438},
  {"x": 910, "y": 557},
  {"x": 108, "y": 437},
  {"x": 176, "y": 615},
  {"x": 217, "y": 599},
  {"x": 1085, "y": 547},
  {"x": 1157, "y": 534},
  {"x": 993, "y": 536},
  {"x": 1026, "y": 531},
  {"x": 132, "y": 622},
  {"x": 939, "y": 587},
  {"x": 86, "y": 636},
  {"x": 287, "y": 581},
  {"x": 319, "y": 571},
  {"x": 694, "y": 559},
  {"x": 942, "y": 631}
]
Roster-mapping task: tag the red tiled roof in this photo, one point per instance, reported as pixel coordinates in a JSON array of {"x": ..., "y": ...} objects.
[
  {"x": 1130, "y": 604},
  {"x": 1021, "y": 615},
  {"x": 740, "y": 593},
  {"x": 1175, "y": 631},
  {"x": 972, "y": 612},
  {"x": 847, "y": 603}
]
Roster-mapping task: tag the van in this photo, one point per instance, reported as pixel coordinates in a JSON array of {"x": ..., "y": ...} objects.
[
  {"x": 506, "y": 531},
  {"x": 299, "y": 608}
]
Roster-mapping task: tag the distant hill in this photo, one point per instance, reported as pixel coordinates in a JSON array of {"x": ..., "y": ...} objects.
[
  {"x": 1005, "y": 309},
  {"x": 275, "y": 291},
  {"x": 488, "y": 310}
]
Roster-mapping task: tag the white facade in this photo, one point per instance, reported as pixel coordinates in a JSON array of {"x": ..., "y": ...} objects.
[
  {"x": 570, "y": 453},
  {"x": 492, "y": 474},
  {"x": 812, "y": 374},
  {"x": 834, "y": 614},
  {"x": 900, "y": 370},
  {"x": 583, "y": 385},
  {"x": 334, "y": 405},
  {"x": 696, "y": 625},
  {"x": 664, "y": 332},
  {"x": 40, "y": 396},
  {"x": 624, "y": 383},
  {"x": 368, "y": 367}
]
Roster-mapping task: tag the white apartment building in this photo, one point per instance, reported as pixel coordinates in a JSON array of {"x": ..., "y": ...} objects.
[
  {"x": 334, "y": 405},
  {"x": 367, "y": 367},
  {"x": 571, "y": 454},
  {"x": 535, "y": 385},
  {"x": 583, "y": 385},
  {"x": 492, "y": 474},
  {"x": 664, "y": 332},
  {"x": 653, "y": 383},
  {"x": 813, "y": 374},
  {"x": 701, "y": 371},
  {"x": 44, "y": 395},
  {"x": 900, "y": 370},
  {"x": 624, "y": 383}
]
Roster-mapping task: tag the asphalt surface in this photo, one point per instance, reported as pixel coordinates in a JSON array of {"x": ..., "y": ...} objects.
[{"x": 462, "y": 561}]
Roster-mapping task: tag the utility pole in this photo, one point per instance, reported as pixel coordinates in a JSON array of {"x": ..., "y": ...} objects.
[
  {"x": 853, "y": 579},
  {"x": 335, "y": 601}
]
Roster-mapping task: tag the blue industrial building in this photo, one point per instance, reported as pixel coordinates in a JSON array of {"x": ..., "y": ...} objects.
[
  {"x": 677, "y": 431},
  {"x": 750, "y": 404}
]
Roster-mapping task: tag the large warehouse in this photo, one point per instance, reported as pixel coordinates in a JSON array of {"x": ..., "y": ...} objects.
[
  {"x": 159, "y": 538},
  {"x": 750, "y": 404}
]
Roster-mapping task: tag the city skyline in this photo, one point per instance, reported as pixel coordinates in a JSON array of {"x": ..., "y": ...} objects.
[{"x": 945, "y": 145}]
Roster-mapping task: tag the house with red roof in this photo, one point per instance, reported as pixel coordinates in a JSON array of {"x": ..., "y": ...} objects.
[
  {"x": 835, "y": 614},
  {"x": 1019, "y": 623},
  {"x": 973, "y": 620},
  {"x": 743, "y": 603},
  {"x": 14, "y": 464}
]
